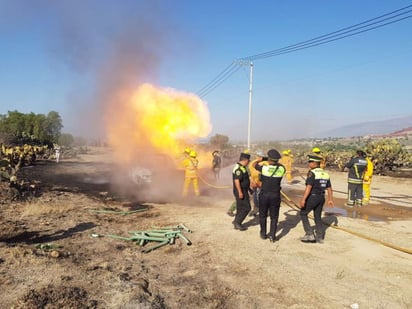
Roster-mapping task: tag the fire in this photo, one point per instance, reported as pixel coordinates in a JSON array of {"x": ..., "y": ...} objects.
[{"x": 155, "y": 119}]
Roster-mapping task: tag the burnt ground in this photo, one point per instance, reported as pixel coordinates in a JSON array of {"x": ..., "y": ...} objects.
[{"x": 55, "y": 250}]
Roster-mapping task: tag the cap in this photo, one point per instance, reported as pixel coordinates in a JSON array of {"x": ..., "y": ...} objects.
[
  {"x": 273, "y": 154},
  {"x": 313, "y": 158},
  {"x": 244, "y": 156},
  {"x": 316, "y": 150}
]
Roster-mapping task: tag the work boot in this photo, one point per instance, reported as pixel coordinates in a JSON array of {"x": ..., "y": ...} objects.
[
  {"x": 263, "y": 236},
  {"x": 308, "y": 238},
  {"x": 348, "y": 205},
  {"x": 239, "y": 227}
]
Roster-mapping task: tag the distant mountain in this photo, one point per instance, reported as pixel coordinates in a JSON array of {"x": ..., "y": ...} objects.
[{"x": 368, "y": 128}]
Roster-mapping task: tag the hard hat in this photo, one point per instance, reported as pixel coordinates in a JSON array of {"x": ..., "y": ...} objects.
[
  {"x": 193, "y": 154},
  {"x": 187, "y": 150},
  {"x": 316, "y": 150},
  {"x": 273, "y": 154},
  {"x": 313, "y": 158},
  {"x": 285, "y": 152}
]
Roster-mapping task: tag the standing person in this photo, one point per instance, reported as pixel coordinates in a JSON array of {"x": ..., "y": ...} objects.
[
  {"x": 256, "y": 183},
  {"x": 357, "y": 167},
  {"x": 241, "y": 187},
  {"x": 286, "y": 160},
  {"x": 57, "y": 150},
  {"x": 367, "y": 179},
  {"x": 269, "y": 197},
  {"x": 317, "y": 182},
  {"x": 216, "y": 163},
  {"x": 316, "y": 151},
  {"x": 190, "y": 165}
]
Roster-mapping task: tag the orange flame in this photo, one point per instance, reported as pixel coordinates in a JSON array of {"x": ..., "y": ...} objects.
[{"x": 152, "y": 118}]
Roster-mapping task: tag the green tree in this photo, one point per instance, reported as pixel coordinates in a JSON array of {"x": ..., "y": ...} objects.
[
  {"x": 65, "y": 139},
  {"x": 219, "y": 141}
]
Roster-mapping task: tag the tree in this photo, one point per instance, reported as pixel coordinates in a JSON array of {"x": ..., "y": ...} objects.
[
  {"x": 219, "y": 141},
  {"x": 65, "y": 139}
]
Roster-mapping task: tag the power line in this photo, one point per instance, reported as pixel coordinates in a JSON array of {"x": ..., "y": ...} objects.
[
  {"x": 368, "y": 25},
  {"x": 218, "y": 80},
  {"x": 336, "y": 35}
]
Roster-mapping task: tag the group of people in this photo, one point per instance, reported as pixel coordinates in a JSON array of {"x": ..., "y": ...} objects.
[
  {"x": 262, "y": 177},
  {"x": 271, "y": 172}
]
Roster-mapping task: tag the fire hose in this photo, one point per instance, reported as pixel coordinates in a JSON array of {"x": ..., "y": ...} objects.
[{"x": 294, "y": 206}]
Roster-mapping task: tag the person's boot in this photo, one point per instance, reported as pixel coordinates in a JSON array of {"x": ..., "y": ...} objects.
[
  {"x": 308, "y": 238},
  {"x": 239, "y": 226},
  {"x": 263, "y": 235}
]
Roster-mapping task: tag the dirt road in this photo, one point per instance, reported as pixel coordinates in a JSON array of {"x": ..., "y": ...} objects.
[{"x": 223, "y": 268}]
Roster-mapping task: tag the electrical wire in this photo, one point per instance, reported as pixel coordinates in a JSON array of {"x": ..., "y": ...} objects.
[
  {"x": 218, "y": 81},
  {"x": 371, "y": 24}
]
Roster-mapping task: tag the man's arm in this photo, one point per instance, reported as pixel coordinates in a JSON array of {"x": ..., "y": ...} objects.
[{"x": 330, "y": 197}]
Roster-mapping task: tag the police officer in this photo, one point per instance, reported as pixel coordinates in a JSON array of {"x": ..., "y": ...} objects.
[
  {"x": 357, "y": 167},
  {"x": 317, "y": 182},
  {"x": 269, "y": 197},
  {"x": 241, "y": 187}
]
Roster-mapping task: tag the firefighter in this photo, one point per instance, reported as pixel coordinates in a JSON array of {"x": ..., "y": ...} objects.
[
  {"x": 357, "y": 167},
  {"x": 256, "y": 183},
  {"x": 286, "y": 160},
  {"x": 241, "y": 189},
  {"x": 190, "y": 165},
  {"x": 316, "y": 152},
  {"x": 367, "y": 179}
]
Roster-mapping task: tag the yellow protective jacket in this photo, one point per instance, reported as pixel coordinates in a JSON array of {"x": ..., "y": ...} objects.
[
  {"x": 190, "y": 165},
  {"x": 255, "y": 175},
  {"x": 369, "y": 170}
]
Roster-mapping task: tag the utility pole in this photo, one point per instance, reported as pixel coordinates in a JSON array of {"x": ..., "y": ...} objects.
[{"x": 249, "y": 127}]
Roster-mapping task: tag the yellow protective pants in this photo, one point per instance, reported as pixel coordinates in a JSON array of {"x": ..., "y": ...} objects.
[
  {"x": 186, "y": 185},
  {"x": 366, "y": 191}
]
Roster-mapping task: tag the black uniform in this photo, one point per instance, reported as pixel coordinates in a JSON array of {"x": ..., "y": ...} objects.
[
  {"x": 320, "y": 181},
  {"x": 242, "y": 205},
  {"x": 357, "y": 167},
  {"x": 269, "y": 196}
]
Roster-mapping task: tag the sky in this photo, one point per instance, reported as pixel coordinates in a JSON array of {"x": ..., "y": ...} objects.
[{"x": 69, "y": 56}]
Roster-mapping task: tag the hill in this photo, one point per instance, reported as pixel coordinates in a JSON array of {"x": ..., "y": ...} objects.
[{"x": 383, "y": 127}]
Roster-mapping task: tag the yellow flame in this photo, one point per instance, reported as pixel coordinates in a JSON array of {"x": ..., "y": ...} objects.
[{"x": 152, "y": 118}]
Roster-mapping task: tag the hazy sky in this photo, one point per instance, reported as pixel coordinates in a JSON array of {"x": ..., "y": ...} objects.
[{"x": 68, "y": 56}]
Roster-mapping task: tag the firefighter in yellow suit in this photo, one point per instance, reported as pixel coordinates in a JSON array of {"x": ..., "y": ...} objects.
[
  {"x": 287, "y": 160},
  {"x": 316, "y": 151},
  {"x": 190, "y": 165},
  {"x": 367, "y": 179}
]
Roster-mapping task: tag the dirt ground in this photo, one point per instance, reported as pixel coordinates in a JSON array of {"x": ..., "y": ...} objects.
[{"x": 55, "y": 251}]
